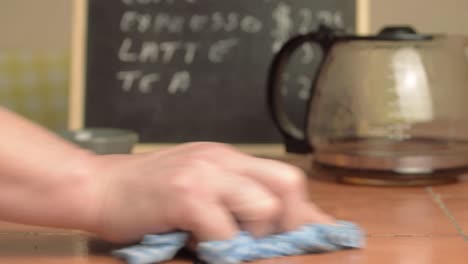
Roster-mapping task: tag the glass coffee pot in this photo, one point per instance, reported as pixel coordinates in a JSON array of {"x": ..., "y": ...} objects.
[{"x": 396, "y": 101}]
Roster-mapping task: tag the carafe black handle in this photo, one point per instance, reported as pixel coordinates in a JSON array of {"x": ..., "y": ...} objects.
[{"x": 295, "y": 138}]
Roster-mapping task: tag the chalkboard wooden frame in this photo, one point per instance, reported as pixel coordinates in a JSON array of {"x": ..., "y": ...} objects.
[{"x": 78, "y": 75}]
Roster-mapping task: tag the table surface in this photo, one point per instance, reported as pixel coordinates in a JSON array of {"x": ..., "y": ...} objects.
[{"x": 403, "y": 225}]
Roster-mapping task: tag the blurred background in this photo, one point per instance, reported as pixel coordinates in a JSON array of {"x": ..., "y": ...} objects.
[{"x": 35, "y": 47}]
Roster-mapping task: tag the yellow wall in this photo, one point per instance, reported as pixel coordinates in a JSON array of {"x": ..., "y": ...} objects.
[
  {"x": 35, "y": 24},
  {"x": 34, "y": 59}
]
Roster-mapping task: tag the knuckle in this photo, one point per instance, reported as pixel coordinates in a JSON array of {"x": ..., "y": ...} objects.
[
  {"x": 270, "y": 208},
  {"x": 265, "y": 209},
  {"x": 186, "y": 209},
  {"x": 189, "y": 186},
  {"x": 196, "y": 163},
  {"x": 294, "y": 179},
  {"x": 212, "y": 148},
  {"x": 181, "y": 182}
]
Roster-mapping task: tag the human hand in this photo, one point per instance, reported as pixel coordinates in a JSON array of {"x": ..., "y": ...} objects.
[{"x": 208, "y": 189}]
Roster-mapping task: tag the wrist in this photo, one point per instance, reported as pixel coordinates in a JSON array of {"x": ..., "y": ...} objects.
[{"x": 80, "y": 185}]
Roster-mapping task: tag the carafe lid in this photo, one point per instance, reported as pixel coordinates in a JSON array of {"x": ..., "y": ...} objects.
[
  {"x": 401, "y": 33},
  {"x": 388, "y": 33}
]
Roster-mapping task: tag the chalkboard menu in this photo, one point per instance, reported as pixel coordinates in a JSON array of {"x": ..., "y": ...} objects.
[{"x": 193, "y": 70}]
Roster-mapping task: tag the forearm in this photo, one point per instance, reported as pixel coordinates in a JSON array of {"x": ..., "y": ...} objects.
[{"x": 43, "y": 180}]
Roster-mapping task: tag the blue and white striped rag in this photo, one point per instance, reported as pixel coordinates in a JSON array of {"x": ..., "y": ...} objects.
[{"x": 312, "y": 238}]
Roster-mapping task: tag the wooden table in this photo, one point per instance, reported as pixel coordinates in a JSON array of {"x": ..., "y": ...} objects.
[{"x": 407, "y": 225}]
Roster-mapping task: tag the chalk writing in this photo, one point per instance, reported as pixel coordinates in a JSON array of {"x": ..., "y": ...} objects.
[
  {"x": 304, "y": 87},
  {"x": 162, "y": 22},
  {"x": 128, "y": 78},
  {"x": 303, "y": 83},
  {"x": 180, "y": 82},
  {"x": 165, "y": 52},
  {"x": 157, "y": 36},
  {"x": 220, "y": 49},
  {"x": 228, "y": 23},
  {"x": 251, "y": 24},
  {"x": 124, "y": 51},
  {"x": 282, "y": 30},
  {"x": 198, "y": 22},
  {"x": 147, "y": 81},
  {"x": 330, "y": 18},
  {"x": 308, "y": 56},
  {"x": 306, "y": 16}
]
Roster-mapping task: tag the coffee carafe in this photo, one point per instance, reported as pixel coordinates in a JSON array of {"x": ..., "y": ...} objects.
[{"x": 396, "y": 101}]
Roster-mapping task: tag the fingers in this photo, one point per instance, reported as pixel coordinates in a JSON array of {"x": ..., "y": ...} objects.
[
  {"x": 302, "y": 214},
  {"x": 287, "y": 183},
  {"x": 255, "y": 208},
  {"x": 277, "y": 199},
  {"x": 281, "y": 178},
  {"x": 248, "y": 207},
  {"x": 216, "y": 203},
  {"x": 277, "y": 176},
  {"x": 290, "y": 186},
  {"x": 209, "y": 221},
  {"x": 314, "y": 214}
]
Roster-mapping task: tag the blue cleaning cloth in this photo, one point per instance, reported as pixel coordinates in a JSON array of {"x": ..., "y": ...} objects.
[
  {"x": 312, "y": 238},
  {"x": 153, "y": 248}
]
